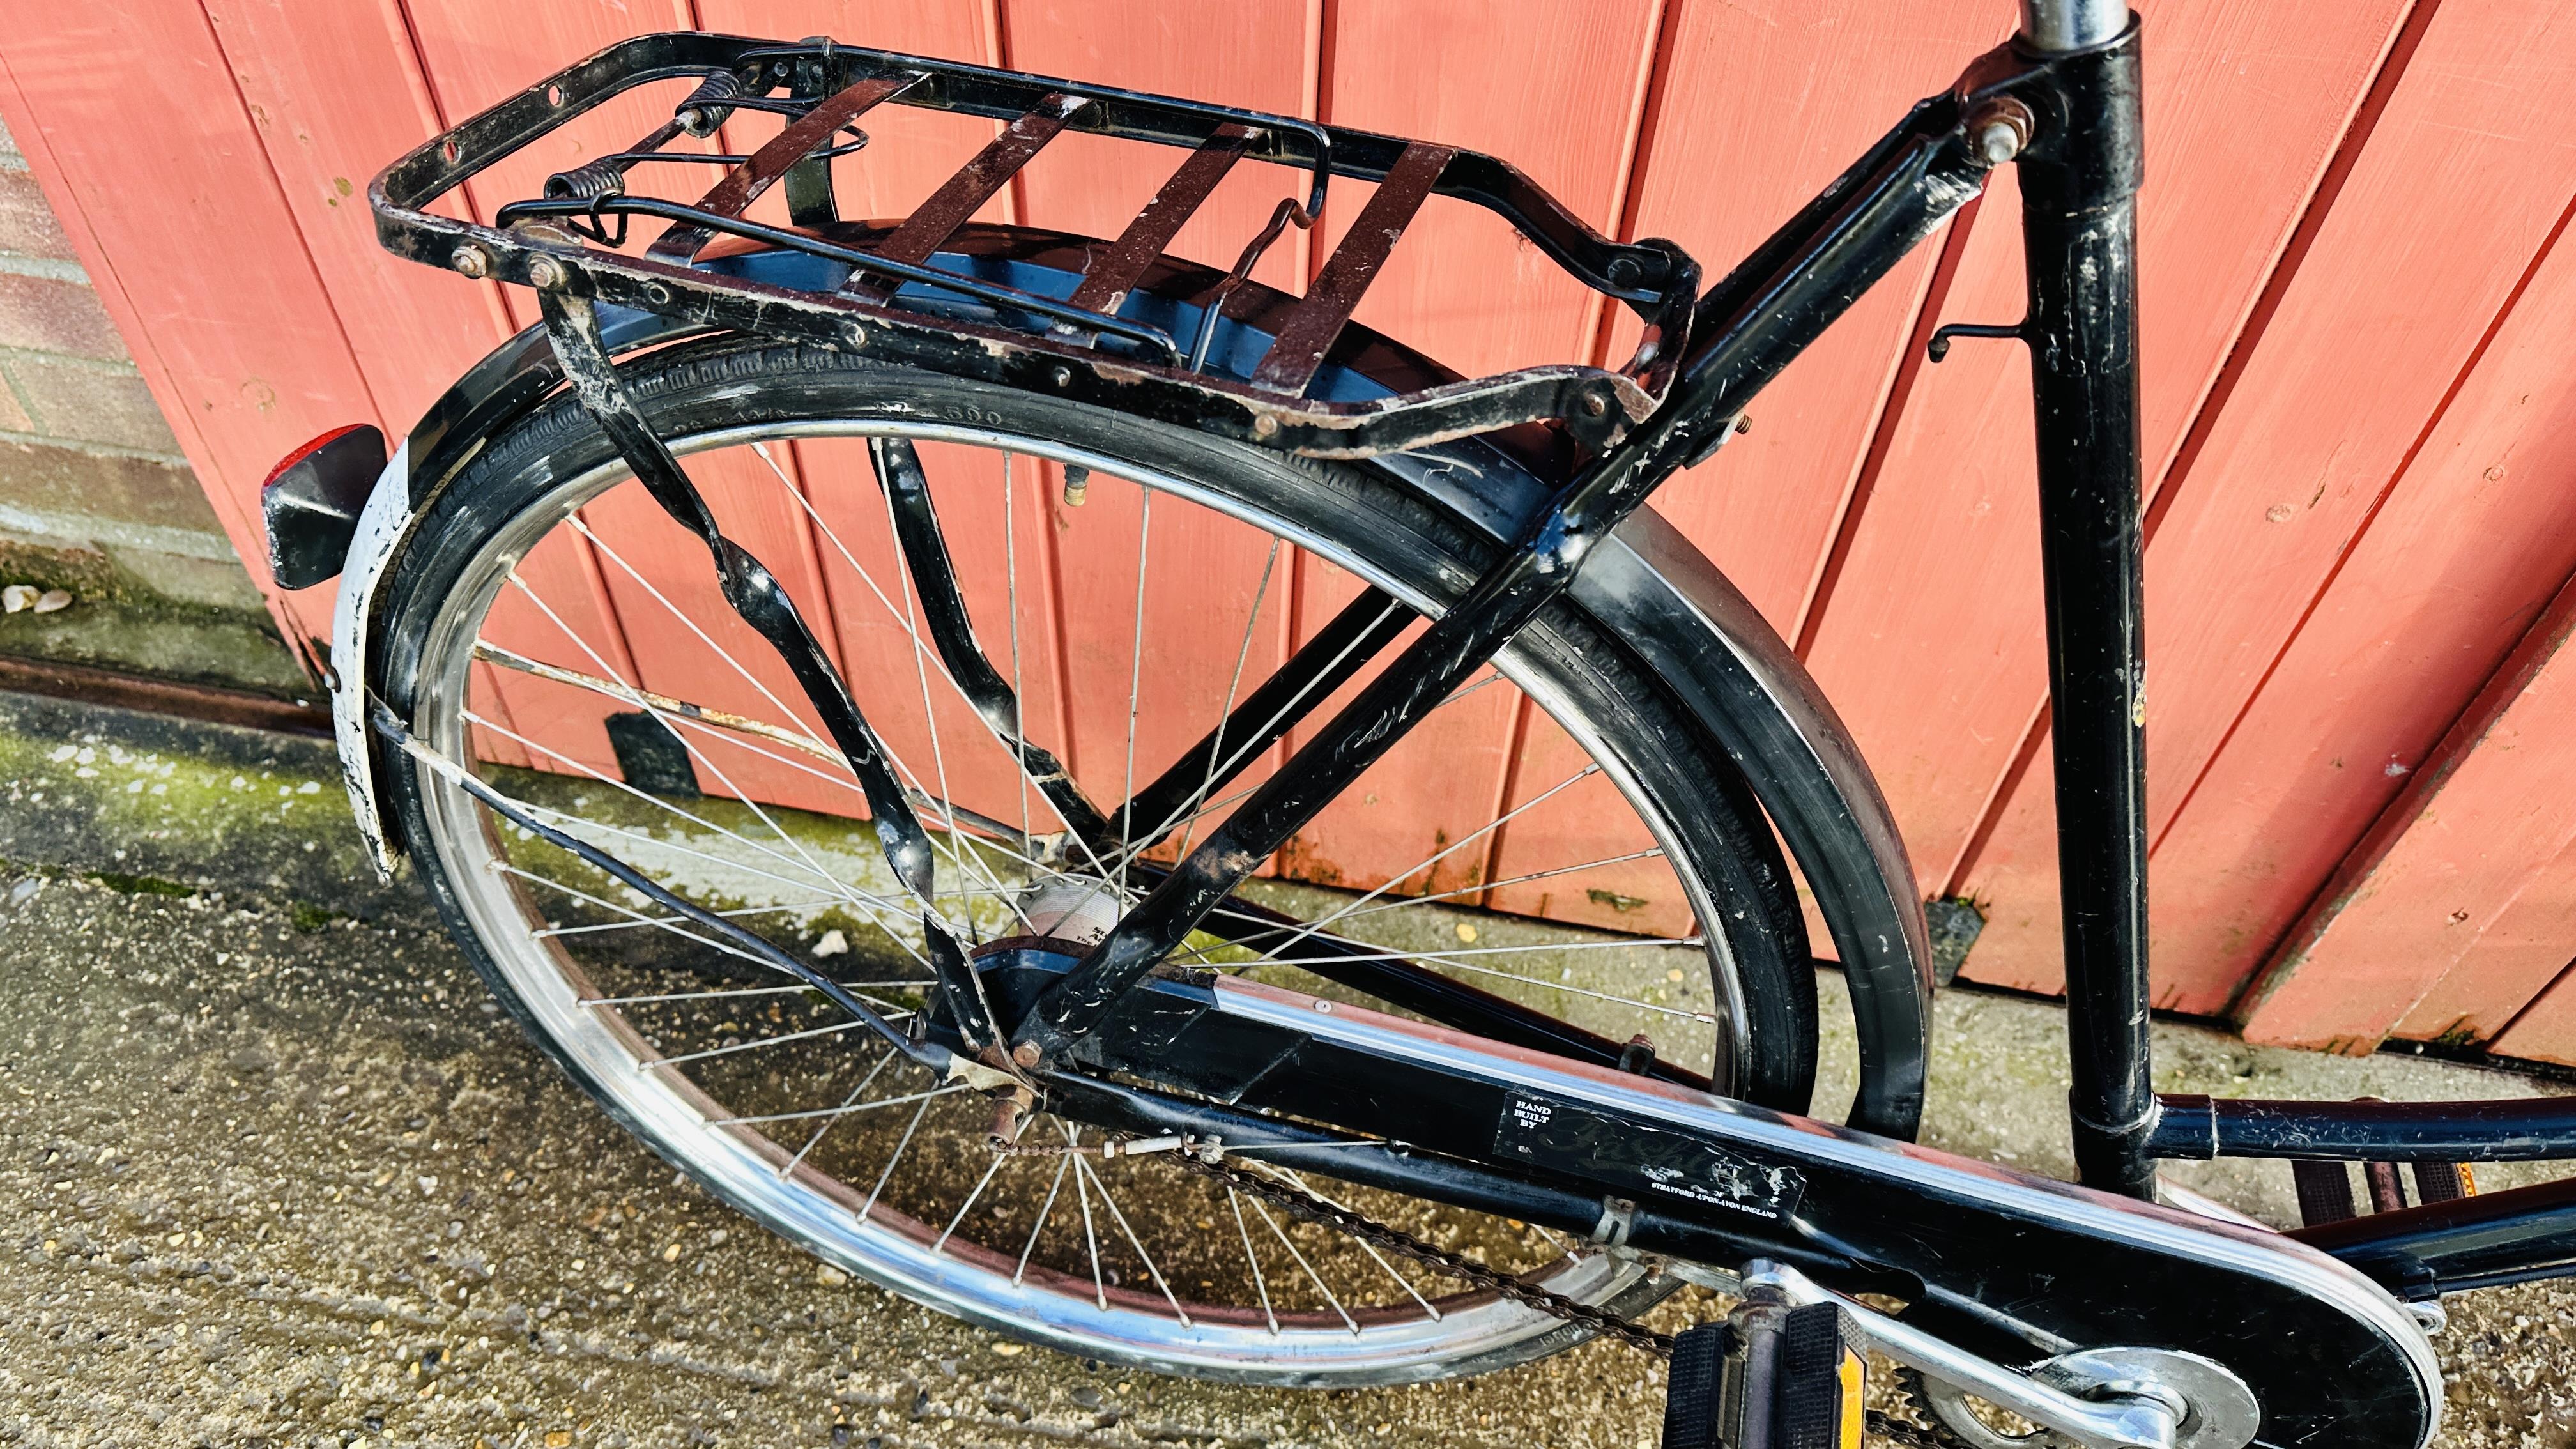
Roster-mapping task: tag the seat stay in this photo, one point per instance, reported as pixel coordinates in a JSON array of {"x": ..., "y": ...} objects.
[
  {"x": 952, "y": 634},
  {"x": 1329, "y": 659}
]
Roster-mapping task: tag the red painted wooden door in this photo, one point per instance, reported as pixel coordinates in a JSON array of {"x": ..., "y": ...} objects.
[{"x": 2358, "y": 417}]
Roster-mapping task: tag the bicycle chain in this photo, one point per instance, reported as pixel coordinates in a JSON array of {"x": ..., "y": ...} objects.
[
  {"x": 1376, "y": 1234},
  {"x": 1311, "y": 1208}
]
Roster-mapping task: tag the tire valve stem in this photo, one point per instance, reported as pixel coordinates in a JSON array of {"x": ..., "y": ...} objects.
[{"x": 1077, "y": 484}]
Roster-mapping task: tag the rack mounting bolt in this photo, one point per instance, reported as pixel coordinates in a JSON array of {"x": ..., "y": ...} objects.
[
  {"x": 2000, "y": 129},
  {"x": 471, "y": 261},
  {"x": 546, "y": 274}
]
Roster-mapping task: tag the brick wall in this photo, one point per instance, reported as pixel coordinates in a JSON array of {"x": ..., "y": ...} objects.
[{"x": 94, "y": 495}]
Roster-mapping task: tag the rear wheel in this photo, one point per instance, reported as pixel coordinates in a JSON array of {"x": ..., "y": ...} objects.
[{"x": 1556, "y": 834}]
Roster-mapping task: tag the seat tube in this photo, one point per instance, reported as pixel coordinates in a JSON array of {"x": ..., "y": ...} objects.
[{"x": 2079, "y": 180}]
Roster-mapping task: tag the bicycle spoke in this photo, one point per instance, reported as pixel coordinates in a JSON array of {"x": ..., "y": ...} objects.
[
  {"x": 789, "y": 1167},
  {"x": 1298, "y": 1180},
  {"x": 923, "y": 653},
  {"x": 716, "y": 723},
  {"x": 1090, "y": 1238},
  {"x": 1011, "y": 596},
  {"x": 1411, "y": 901},
  {"x": 844, "y": 1110},
  {"x": 808, "y": 863},
  {"x": 1260, "y": 1285},
  {"x": 900, "y": 1146},
  {"x": 742, "y": 991},
  {"x": 1135, "y": 662},
  {"x": 1044, "y": 1208},
  {"x": 640, "y": 921},
  {"x": 1453, "y": 847},
  {"x": 1120, "y": 1218},
  {"x": 1242, "y": 653},
  {"x": 990, "y": 1169},
  {"x": 659, "y": 1063},
  {"x": 1318, "y": 667},
  {"x": 1311, "y": 1275},
  {"x": 864, "y": 900},
  {"x": 676, "y": 612},
  {"x": 581, "y": 895}
]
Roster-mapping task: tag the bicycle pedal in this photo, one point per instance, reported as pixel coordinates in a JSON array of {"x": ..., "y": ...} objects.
[{"x": 1770, "y": 1377}]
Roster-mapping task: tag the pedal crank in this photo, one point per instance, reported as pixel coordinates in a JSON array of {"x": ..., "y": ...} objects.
[{"x": 2099, "y": 1398}]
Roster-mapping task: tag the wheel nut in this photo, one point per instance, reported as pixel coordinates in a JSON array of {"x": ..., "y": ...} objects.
[
  {"x": 2000, "y": 129},
  {"x": 546, "y": 274},
  {"x": 472, "y": 261}
]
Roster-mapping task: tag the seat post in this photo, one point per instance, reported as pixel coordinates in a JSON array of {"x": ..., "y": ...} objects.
[
  {"x": 2079, "y": 182},
  {"x": 2056, "y": 26}
]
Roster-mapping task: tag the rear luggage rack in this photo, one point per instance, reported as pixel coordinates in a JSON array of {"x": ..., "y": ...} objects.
[{"x": 1101, "y": 343}]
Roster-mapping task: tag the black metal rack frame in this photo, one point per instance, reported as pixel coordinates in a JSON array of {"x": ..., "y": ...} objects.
[{"x": 1078, "y": 346}]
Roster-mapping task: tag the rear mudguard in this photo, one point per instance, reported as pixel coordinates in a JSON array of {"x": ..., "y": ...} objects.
[{"x": 1653, "y": 590}]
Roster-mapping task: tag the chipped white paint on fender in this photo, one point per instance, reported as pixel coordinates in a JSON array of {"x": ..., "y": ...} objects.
[{"x": 381, "y": 526}]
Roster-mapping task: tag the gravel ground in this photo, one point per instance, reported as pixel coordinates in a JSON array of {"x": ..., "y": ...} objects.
[
  {"x": 285, "y": 1179},
  {"x": 278, "y": 1176}
]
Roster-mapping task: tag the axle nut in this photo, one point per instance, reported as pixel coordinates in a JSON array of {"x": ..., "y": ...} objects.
[
  {"x": 546, "y": 274},
  {"x": 2000, "y": 129},
  {"x": 1025, "y": 1055},
  {"x": 471, "y": 261}
]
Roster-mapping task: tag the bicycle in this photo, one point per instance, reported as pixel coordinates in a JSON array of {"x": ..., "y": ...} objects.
[{"x": 1379, "y": 1143}]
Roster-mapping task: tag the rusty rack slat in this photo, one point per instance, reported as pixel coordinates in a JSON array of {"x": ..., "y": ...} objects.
[
  {"x": 960, "y": 196},
  {"x": 1309, "y": 331},
  {"x": 1106, "y": 284},
  {"x": 743, "y": 185}
]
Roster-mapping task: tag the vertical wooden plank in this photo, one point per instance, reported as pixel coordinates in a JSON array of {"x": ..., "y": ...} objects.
[
  {"x": 1556, "y": 92},
  {"x": 2475, "y": 827},
  {"x": 875, "y": 615},
  {"x": 1758, "y": 107},
  {"x": 687, "y": 641},
  {"x": 478, "y": 53},
  {"x": 1931, "y": 643},
  {"x": 2443, "y": 210},
  {"x": 321, "y": 84},
  {"x": 1202, "y": 578},
  {"x": 1088, "y": 184},
  {"x": 909, "y": 151},
  {"x": 2474, "y": 538},
  {"x": 1553, "y": 92},
  {"x": 178, "y": 219}
]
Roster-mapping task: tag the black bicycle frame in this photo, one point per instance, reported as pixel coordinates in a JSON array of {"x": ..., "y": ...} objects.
[{"x": 2062, "y": 102}]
